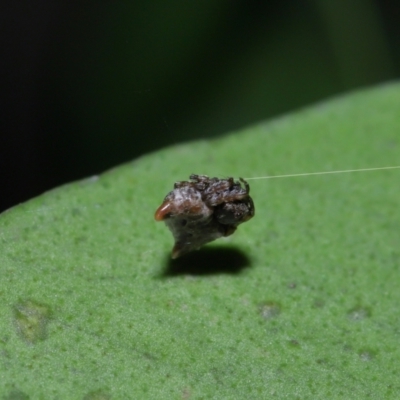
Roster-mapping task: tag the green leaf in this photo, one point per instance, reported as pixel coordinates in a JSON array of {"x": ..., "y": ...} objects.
[{"x": 301, "y": 302}]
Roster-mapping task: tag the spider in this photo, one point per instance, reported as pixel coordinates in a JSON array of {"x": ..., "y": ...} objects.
[{"x": 203, "y": 209}]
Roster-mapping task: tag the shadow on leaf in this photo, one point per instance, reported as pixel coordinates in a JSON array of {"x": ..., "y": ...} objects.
[{"x": 208, "y": 261}]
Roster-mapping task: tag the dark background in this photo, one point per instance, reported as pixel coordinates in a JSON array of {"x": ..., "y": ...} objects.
[{"x": 89, "y": 85}]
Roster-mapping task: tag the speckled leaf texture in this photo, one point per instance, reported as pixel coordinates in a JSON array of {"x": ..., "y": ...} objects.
[{"x": 302, "y": 302}]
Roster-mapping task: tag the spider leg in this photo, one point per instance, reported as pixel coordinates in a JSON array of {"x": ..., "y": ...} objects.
[{"x": 246, "y": 185}]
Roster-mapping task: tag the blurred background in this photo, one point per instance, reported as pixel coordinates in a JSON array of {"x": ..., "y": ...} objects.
[{"x": 88, "y": 85}]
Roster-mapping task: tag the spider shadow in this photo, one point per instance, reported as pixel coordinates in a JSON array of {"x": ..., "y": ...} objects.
[{"x": 208, "y": 261}]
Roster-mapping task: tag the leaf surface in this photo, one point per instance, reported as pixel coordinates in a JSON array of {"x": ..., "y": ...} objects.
[{"x": 301, "y": 302}]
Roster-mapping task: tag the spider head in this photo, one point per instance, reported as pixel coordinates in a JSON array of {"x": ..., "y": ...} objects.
[{"x": 236, "y": 212}]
